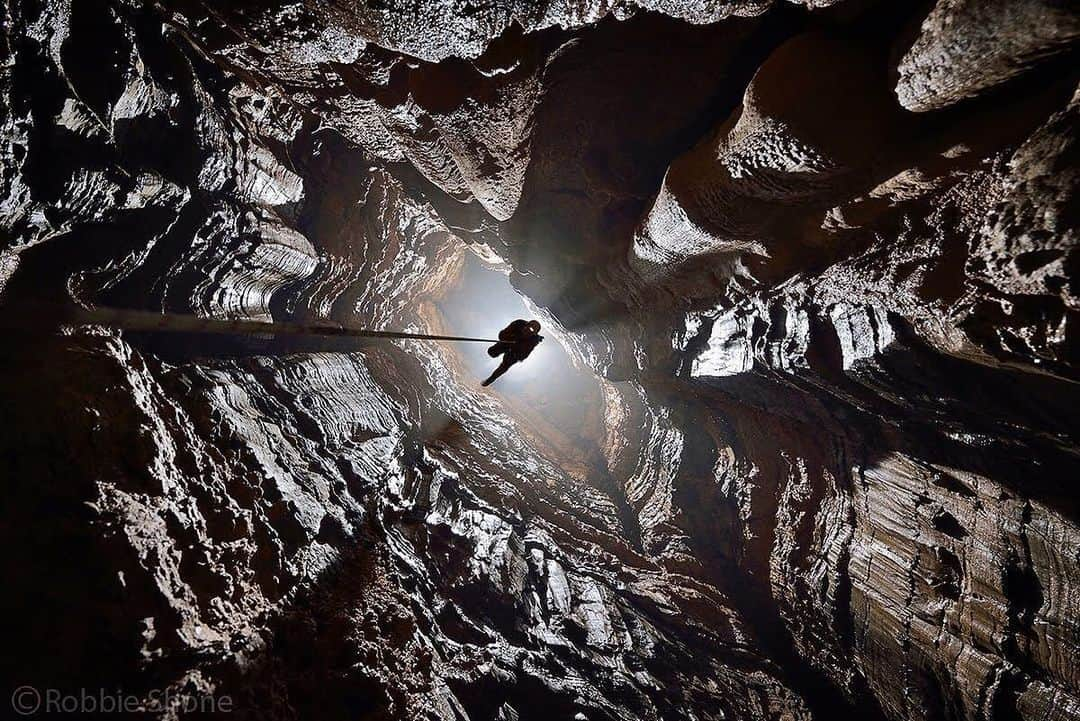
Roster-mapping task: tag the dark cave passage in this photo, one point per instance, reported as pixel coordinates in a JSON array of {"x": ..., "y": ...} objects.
[{"x": 800, "y": 442}]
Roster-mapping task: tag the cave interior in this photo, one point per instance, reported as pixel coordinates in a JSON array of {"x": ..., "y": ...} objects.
[{"x": 800, "y": 442}]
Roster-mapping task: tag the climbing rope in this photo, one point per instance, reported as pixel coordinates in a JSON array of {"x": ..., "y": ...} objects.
[{"x": 146, "y": 321}]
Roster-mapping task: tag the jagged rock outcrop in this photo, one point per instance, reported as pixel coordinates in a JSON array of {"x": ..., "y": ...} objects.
[
  {"x": 814, "y": 264},
  {"x": 967, "y": 47},
  {"x": 814, "y": 126}
]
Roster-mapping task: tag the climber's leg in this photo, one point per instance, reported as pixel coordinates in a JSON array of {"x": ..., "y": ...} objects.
[{"x": 503, "y": 367}]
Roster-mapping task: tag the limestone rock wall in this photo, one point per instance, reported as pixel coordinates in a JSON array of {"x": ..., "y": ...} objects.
[{"x": 820, "y": 258}]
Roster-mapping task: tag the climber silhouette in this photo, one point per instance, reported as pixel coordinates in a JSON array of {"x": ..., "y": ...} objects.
[{"x": 516, "y": 342}]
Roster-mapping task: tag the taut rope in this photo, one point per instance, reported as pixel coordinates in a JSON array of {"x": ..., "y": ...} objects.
[{"x": 141, "y": 320}]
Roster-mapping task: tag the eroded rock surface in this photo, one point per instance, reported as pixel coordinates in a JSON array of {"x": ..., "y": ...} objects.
[
  {"x": 966, "y": 47},
  {"x": 817, "y": 262}
]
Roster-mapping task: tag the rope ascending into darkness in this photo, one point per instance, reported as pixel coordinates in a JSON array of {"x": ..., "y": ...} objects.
[{"x": 141, "y": 320}]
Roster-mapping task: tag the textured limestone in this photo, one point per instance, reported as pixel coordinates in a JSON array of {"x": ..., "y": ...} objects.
[
  {"x": 811, "y": 127},
  {"x": 829, "y": 471},
  {"x": 967, "y": 47}
]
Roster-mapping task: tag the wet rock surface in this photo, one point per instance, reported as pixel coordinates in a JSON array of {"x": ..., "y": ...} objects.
[{"x": 815, "y": 265}]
